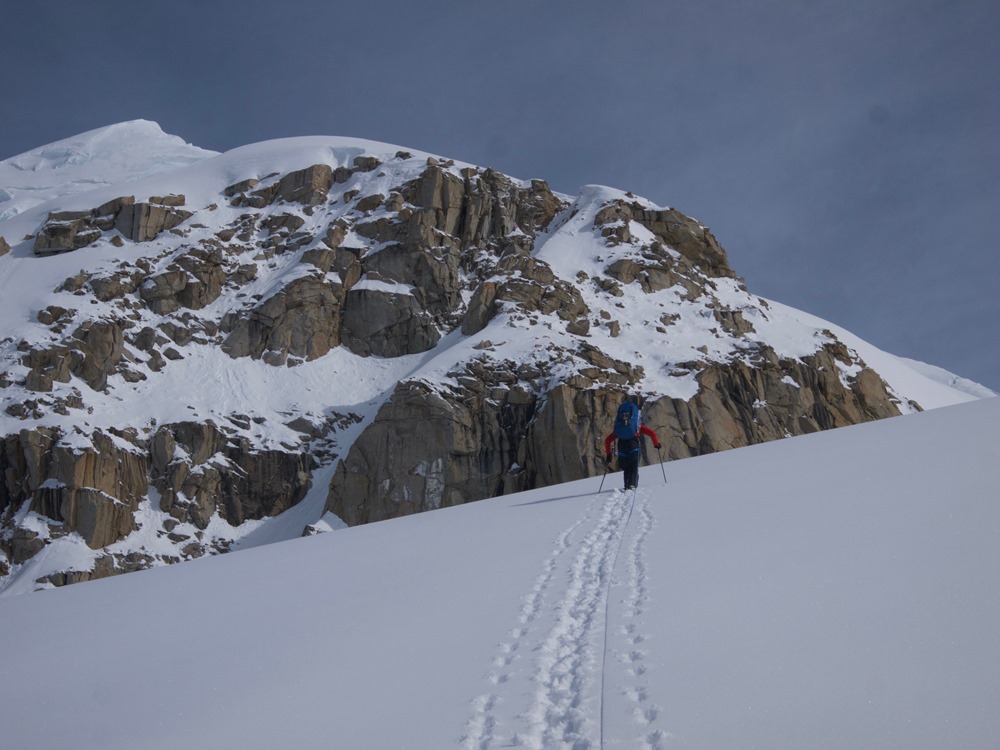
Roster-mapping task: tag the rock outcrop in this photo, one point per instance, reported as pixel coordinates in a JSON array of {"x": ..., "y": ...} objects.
[
  {"x": 527, "y": 353},
  {"x": 92, "y": 353},
  {"x": 301, "y": 321},
  {"x": 200, "y": 472},
  {"x": 94, "y": 486},
  {"x": 142, "y": 222},
  {"x": 494, "y": 434},
  {"x": 71, "y": 230},
  {"x": 91, "y": 489}
]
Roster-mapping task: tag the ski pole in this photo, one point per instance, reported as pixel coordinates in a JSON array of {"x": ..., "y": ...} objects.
[
  {"x": 607, "y": 465},
  {"x": 662, "y": 470}
]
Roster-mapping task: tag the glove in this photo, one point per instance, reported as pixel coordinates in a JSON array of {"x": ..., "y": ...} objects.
[
  {"x": 607, "y": 460},
  {"x": 656, "y": 445}
]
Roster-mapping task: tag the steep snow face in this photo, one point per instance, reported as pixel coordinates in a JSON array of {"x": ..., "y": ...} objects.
[
  {"x": 105, "y": 156},
  {"x": 742, "y": 603},
  {"x": 949, "y": 379}
]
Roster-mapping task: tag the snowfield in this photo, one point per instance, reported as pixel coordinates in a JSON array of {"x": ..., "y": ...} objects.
[{"x": 840, "y": 590}]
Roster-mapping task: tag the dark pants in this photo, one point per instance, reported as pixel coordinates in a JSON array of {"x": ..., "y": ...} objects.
[{"x": 629, "y": 464}]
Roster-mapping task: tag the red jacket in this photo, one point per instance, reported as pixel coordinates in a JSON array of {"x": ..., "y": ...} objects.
[{"x": 643, "y": 430}]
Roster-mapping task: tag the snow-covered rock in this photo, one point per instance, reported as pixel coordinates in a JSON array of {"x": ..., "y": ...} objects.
[{"x": 328, "y": 324}]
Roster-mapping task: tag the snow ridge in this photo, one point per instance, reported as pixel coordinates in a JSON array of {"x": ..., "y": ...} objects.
[{"x": 101, "y": 157}]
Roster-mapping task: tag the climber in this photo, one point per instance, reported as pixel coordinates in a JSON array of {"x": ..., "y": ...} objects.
[{"x": 628, "y": 432}]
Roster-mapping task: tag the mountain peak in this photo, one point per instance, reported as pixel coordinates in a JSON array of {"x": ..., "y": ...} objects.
[{"x": 107, "y": 155}]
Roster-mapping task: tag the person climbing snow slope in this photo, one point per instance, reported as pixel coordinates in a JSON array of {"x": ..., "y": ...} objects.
[{"x": 628, "y": 432}]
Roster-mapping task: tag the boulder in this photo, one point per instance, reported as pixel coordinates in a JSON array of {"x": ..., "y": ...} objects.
[
  {"x": 206, "y": 276},
  {"x": 240, "y": 187},
  {"x": 92, "y": 353},
  {"x": 65, "y": 231},
  {"x": 366, "y": 163},
  {"x": 302, "y": 320},
  {"x": 115, "y": 286},
  {"x": 24, "y": 544},
  {"x": 193, "y": 281},
  {"x": 55, "y": 364},
  {"x": 160, "y": 292},
  {"x": 142, "y": 222},
  {"x": 386, "y": 323},
  {"x": 71, "y": 230},
  {"x": 482, "y": 307},
  {"x": 370, "y": 202},
  {"x": 102, "y": 345},
  {"x": 168, "y": 200},
  {"x": 113, "y": 207},
  {"x": 309, "y": 186}
]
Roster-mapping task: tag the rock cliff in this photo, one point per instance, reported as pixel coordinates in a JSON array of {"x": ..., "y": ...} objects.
[{"x": 389, "y": 334}]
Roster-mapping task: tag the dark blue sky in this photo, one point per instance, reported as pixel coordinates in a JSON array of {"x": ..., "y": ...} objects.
[{"x": 846, "y": 154}]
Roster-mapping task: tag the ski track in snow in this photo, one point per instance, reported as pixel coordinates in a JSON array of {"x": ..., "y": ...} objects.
[
  {"x": 554, "y": 658},
  {"x": 629, "y": 638}
]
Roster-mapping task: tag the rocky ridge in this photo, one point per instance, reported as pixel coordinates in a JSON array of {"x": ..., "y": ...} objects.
[{"x": 504, "y": 318}]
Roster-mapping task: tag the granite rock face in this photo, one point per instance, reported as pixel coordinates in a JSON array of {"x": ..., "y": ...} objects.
[
  {"x": 492, "y": 435},
  {"x": 514, "y": 361},
  {"x": 64, "y": 231},
  {"x": 94, "y": 487}
]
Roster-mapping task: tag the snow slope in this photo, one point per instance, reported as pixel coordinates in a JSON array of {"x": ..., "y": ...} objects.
[
  {"x": 748, "y": 602},
  {"x": 105, "y": 156},
  {"x": 931, "y": 387}
]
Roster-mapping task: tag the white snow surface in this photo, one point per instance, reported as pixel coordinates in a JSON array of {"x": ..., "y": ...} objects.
[
  {"x": 105, "y": 156},
  {"x": 949, "y": 379},
  {"x": 838, "y": 590}
]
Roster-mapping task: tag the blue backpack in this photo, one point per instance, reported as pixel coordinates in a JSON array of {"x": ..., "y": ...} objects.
[{"x": 627, "y": 421}]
